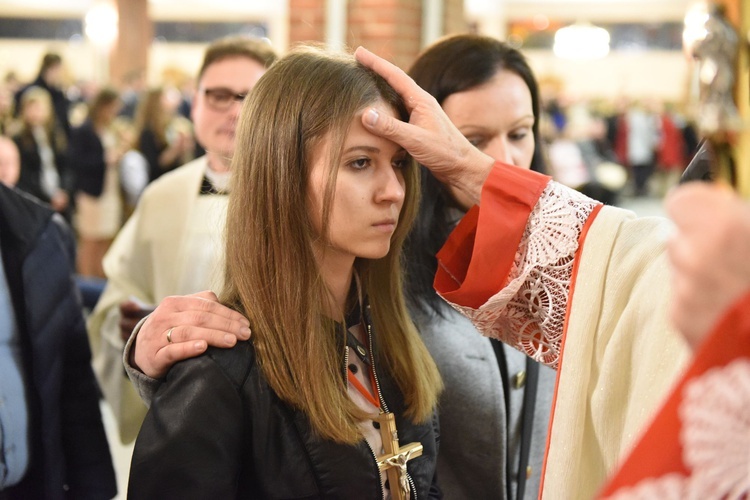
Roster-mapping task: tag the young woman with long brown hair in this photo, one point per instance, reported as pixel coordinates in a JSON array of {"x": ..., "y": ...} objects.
[{"x": 318, "y": 213}]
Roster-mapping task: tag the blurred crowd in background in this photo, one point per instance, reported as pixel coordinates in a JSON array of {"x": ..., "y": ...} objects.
[{"x": 89, "y": 151}]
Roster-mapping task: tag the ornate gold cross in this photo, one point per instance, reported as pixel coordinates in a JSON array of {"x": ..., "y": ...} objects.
[
  {"x": 395, "y": 458},
  {"x": 717, "y": 35}
]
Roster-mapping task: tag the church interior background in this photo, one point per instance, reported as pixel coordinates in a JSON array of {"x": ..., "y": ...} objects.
[{"x": 620, "y": 50}]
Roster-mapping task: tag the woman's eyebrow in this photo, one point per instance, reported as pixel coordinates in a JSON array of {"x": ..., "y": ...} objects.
[{"x": 369, "y": 149}]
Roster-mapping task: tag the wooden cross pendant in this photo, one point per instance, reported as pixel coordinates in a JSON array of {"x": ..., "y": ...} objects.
[{"x": 395, "y": 458}]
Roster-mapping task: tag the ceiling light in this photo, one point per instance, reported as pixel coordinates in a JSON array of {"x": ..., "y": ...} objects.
[{"x": 581, "y": 41}]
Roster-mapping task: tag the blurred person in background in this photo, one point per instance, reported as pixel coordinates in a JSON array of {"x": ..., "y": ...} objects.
[
  {"x": 672, "y": 152},
  {"x": 636, "y": 137},
  {"x": 133, "y": 86},
  {"x": 10, "y": 162},
  {"x": 133, "y": 168},
  {"x": 50, "y": 78},
  {"x": 81, "y": 93},
  {"x": 6, "y": 110},
  {"x": 52, "y": 440},
  {"x": 95, "y": 156},
  {"x": 580, "y": 158},
  {"x": 11, "y": 82},
  {"x": 172, "y": 244},
  {"x": 161, "y": 140},
  {"x": 45, "y": 170}
]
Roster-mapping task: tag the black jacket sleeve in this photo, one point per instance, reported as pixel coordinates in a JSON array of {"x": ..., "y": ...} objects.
[{"x": 191, "y": 442}]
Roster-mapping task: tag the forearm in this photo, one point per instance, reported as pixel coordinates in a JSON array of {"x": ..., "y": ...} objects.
[
  {"x": 144, "y": 385},
  {"x": 511, "y": 272}
]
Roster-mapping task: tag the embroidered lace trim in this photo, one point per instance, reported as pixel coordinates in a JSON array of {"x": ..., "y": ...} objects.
[
  {"x": 715, "y": 437},
  {"x": 529, "y": 312}
]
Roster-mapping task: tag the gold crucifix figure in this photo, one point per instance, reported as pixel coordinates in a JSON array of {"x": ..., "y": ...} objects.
[{"x": 395, "y": 458}]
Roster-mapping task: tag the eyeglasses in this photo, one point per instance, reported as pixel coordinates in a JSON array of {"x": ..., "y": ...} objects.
[{"x": 221, "y": 98}]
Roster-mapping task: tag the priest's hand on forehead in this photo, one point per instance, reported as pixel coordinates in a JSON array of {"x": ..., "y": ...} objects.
[{"x": 429, "y": 136}]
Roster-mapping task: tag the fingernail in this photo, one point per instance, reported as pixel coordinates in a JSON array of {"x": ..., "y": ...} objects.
[
  {"x": 200, "y": 345},
  {"x": 230, "y": 339},
  {"x": 245, "y": 332},
  {"x": 371, "y": 117},
  {"x": 245, "y": 322}
]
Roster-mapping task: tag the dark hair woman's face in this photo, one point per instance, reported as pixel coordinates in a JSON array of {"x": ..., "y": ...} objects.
[{"x": 497, "y": 117}]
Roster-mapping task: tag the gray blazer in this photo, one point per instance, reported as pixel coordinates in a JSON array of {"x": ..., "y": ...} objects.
[{"x": 474, "y": 445}]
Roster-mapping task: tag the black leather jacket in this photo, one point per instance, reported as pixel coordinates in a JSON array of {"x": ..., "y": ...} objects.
[{"x": 217, "y": 430}]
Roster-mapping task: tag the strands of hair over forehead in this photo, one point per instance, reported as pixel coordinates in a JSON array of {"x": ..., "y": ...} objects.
[
  {"x": 271, "y": 273},
  {"x": 454, "y": 64}
]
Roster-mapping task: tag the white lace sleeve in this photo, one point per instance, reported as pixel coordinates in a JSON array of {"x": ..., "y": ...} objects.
[{"x": 529, "y": 312}]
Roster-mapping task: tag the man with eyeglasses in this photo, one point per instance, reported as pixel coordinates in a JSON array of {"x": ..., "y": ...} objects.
[{"x": 172, "y": 243}]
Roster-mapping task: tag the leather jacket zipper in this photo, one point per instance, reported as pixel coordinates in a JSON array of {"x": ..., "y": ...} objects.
[{"x": 383, "y": 405}]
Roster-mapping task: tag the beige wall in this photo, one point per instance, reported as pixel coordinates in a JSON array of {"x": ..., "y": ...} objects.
[
  {"x": 661, "y": 75},
  {"x": 81, "y": 60},
  {"x": 24, "y": 57}
]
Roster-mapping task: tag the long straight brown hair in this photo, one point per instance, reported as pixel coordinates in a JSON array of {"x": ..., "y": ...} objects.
[{"x": 271, "y": 274}]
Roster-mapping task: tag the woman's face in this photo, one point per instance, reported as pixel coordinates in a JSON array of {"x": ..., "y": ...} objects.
[
  {"x": 35, "y": 113},
  {"x": 110, "y": 111},
  {"x": 367, "y": 198},
  {"x": 497, "y": 117}
]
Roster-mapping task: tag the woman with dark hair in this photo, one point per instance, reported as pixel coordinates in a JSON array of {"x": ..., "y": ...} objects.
[
  {"x": 490, "y": 94},
  {"x": 579, "y": 286},
  {"x": 95, "y": 155}
]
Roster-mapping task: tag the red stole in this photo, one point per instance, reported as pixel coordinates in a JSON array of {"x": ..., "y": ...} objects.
[{"x": 698, "y": 445}]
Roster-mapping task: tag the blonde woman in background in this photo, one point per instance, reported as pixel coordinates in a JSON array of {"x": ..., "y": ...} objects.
[
  {"x": 42, "y": 145},
  {"x": 165, "y": 145}
]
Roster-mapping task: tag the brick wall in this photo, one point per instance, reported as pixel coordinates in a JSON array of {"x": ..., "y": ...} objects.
[
  {"x": 453, "y": 17},
  {"x": 390, "y": 28},
  {"x": 306, "y": 21},
  {"x": 135, "y": 32}
]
